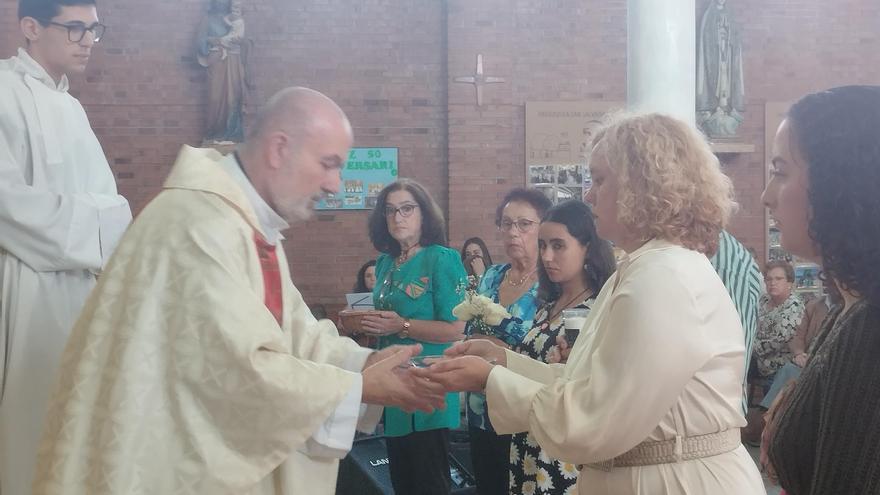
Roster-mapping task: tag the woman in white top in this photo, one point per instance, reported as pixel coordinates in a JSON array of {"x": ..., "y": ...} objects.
[{"x": 649, "y": 400}]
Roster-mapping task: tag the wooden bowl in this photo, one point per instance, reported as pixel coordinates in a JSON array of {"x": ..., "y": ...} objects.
[{"x": 351, "y": 318}]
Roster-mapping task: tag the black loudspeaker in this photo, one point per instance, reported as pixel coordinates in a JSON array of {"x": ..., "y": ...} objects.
[{"x": 365, "y": 470}]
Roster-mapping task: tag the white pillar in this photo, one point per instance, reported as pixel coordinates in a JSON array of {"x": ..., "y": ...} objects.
[{"x": 660, "y": 62}]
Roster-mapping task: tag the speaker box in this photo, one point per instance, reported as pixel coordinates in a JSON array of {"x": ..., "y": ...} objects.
[{"x": 365, "y": 470}]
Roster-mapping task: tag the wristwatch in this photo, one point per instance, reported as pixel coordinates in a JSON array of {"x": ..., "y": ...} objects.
[{"x": 405, "y": 332}]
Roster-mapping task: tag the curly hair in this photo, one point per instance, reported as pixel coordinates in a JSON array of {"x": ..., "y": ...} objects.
[
  {"x": 433, "y": 221},
  {"x": 671, "y": 184},
  {"x": 837, "y": 132}
]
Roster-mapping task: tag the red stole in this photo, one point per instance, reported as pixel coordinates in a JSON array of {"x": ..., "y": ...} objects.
[{"x": 271, "y": 277}]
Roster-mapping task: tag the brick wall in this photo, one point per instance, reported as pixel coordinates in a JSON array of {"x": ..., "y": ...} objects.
[{"x": 390, "y": 63}]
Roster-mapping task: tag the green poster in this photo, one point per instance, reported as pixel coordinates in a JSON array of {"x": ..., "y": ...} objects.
[{"x": 366, "y": 172}]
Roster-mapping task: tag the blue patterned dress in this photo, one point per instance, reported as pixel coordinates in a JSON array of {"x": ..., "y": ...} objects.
[{"x": 511, "y": 331}]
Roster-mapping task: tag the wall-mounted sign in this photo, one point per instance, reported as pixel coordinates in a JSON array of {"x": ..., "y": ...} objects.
[
  {"x": 558, "y": 137},
  {"x": 366, "y": 172}
]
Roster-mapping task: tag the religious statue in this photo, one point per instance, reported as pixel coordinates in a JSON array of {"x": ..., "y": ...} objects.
[
  {"x": 720, "y": 93},
  {"x": 222, "y": 49}
]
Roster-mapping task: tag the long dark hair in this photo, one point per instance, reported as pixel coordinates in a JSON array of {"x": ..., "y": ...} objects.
[
  {"x": 433, "y": 222},
  {"x": 838, "y": 134},
  {"x": 487, "y": 258},
  {"x": 577, "y": 217},
  {"x": 361, "y": 284}
]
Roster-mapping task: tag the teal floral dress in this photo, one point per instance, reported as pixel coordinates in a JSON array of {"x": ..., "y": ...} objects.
[
  {"x": 426, "y": 287},
  {"x": 511, "y": 331}
]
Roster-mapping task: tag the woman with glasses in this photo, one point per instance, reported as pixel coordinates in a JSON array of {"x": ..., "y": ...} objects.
[
  {"x": 513, "y": 285},
  {"x": 419, "y": 282}
]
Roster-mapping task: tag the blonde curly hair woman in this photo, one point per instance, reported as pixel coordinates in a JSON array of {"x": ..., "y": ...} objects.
[{"x": 648, "y": 402}]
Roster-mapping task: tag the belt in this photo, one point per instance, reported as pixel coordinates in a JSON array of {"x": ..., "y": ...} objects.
[{"x": 674, "y": 450}]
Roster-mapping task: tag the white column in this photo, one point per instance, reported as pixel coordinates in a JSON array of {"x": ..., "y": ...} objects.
[{"x": 660, "y": 67}]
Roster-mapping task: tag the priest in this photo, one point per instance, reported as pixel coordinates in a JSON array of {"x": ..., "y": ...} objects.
[
  {"x": 60, "y": 218},
  {"x": 196, "y": 367}
]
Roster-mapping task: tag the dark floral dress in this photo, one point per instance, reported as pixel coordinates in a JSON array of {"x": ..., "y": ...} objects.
[{"x": 531, "y": 470}]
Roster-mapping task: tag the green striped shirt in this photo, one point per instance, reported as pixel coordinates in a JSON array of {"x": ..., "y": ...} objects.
[{"x": 743, "y": 280}]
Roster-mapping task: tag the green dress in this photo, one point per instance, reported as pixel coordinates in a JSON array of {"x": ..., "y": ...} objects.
[{"x": 425, "y": 287}]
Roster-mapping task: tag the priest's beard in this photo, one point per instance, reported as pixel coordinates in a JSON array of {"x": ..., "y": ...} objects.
[{"x": 293, "y": 210}]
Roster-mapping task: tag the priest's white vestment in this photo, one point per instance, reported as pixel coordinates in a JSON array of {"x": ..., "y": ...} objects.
[
  {"x": 178, "y": 378},
  {"x": 60, "y": 218}
]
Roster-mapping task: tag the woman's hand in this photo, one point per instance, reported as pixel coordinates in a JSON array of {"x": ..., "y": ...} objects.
[
  {"x": 461, "y": 374},
  {"x": 382, "y": 323},
  {"x": 800, "y": 360},
  {"x": 559, "y": 353},
  {"x": 481, "y": 348},
  {"x": 478, "y": 266},
  {"x": 494, "y": 340}
]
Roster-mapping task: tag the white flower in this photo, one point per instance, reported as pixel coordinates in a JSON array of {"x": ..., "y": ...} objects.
[
  {"x": 529, "y": 488},
  {"x": 530, "y": 441},
  {"x": 545, "y": 482},
  {"x": 540, "y": 340},
  {"x": 543, "y": 457},
  {"x": 530, "y": 467},
  {"x": 568, "y": 470},
  {"x": 514, "y": 454},
  {"x": 572, "y": 490},
  {"x": 480, "y": 306},
  {"x": 464, "y": 311}
]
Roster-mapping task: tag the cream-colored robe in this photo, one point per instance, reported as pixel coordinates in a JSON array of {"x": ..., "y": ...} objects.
[
  {"x": 177, "y": 379},
  {"x": 660, "y": 355},
  {"x": 60, "y": 219}
]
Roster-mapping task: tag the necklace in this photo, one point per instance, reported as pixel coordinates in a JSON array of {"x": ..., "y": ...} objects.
[
  {"x": 557, "y": 312},
  {"x": 521, "y": 281},
  {"x": 405, "y": 254}
]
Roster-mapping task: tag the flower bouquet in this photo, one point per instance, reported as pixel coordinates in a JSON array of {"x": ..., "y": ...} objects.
[{"x": 481, "y": 313}]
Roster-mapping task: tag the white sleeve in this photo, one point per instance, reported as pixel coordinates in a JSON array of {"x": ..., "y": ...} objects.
[
  {"x": 335, "y": 436},
  {"x": 51, "y": 231}
]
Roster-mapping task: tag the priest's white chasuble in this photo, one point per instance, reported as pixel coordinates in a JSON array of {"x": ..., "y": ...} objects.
[{"x": 184, "y": 375}]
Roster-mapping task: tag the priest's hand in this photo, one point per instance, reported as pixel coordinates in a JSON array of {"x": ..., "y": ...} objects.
[
  {"x": 391, "y": 382},
  {"x": 384, "y": 354},
  {"x": 461, "y": 374},
  {"x": 382, "y": 323},
  {"x": 483, "y": 348}
]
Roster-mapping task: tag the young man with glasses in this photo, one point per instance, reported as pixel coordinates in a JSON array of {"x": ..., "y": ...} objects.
[{"x": 60, "y": 218}]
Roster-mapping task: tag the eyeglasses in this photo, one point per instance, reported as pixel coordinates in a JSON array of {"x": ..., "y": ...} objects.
[
  {"x": 77, "y": 31},
  {"x": 405, "y": 210},
  {"x": 523, "y": 225}
]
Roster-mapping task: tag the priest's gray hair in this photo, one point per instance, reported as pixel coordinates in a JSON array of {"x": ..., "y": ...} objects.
[{"x": 296, "y": 111}]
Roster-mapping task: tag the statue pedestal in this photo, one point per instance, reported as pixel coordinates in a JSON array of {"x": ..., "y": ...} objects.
[
  {"x": 224, "y": 148},
  {"x": 726, "y": 147}
]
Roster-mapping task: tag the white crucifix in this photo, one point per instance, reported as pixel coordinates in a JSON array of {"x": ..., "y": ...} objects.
[{"x": 479, "y": 79}]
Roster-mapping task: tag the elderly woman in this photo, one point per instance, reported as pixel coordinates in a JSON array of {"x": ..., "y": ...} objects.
[
  {"x": 419, "y": 283},
  {"x": 574, "y": 265},
  {"x": 513, "y": 285},
  {"x": 825, "y": 434},
  {"x": 780, "y": 312},
  {"x": 649, "y": 401}
]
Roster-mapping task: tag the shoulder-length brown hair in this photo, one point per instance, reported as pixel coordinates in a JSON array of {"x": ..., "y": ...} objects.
[
  {"x": 671, "y": 184},
  {"x": 433, "y": 222}
]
